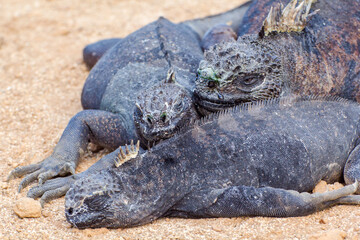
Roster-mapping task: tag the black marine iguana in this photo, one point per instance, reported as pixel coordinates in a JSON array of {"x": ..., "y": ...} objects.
[
  {"x": 136, "y": 62},
  {"x": 231, "y": 75},
  {"x": 260, "y": 159},
  {"x": 285, "y": 57}
]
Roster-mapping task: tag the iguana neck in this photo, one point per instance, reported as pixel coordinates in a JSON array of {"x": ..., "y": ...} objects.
[{"x": 298, "y": 64}]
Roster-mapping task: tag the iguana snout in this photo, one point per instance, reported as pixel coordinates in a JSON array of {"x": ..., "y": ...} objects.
[
  {"x": 103, "y": 200},
  {"x": 80, "y": 201}
]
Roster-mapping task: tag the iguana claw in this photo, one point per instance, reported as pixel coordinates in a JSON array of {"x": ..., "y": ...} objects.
[
  {"x": 21, "y": 171},
  {"x": 129, "y": 154},
  {"x": 47, "y": 169},
  {"x": 51, "y": 189}
]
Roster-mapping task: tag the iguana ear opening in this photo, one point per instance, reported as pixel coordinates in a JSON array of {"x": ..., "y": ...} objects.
[
  {"x": 292, "y": 18},
  {"x": 170, "y": 78}
]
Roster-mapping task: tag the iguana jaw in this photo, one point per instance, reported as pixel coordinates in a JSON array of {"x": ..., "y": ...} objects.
[{"x": 207, "y": 102}]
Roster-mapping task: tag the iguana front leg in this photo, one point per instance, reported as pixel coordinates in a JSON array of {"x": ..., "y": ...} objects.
[
  {"x": 274, "y": 202},
  {"x": 103, "y": 128},
  {"x": 352, "y": 167}
]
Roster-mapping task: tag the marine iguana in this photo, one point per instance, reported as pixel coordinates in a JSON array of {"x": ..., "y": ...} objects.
[
  {"x": 291, "y": 53},
  {"x": 136, "y": 62},
  {"x": 166, "y": 106},
  {"x": 259, "y": 159},
  {"x": 157, "y": 117}
]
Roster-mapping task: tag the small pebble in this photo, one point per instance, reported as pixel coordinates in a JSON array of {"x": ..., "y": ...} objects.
[
  {"x": 321, "y": 187},
  {"x": 46, "y": 213},
  {"x": 27, "y": 208},
  {"x": 217, "y": 228},
  {"x": 323, "y": 221},
  {"x": 4, "y": 185}
]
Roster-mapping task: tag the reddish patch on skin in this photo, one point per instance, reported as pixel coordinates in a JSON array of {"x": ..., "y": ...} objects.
[{"x": 324, "y": 58}]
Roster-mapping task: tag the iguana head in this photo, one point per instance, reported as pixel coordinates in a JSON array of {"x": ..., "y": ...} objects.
[
  {"x": 97, "y": 200},
  {"x": 100, "y": 199},
  {"x": 250, "y": 68},
  {"x": 106, "y": 199},
  {"x": 162, "y": 109},
  {"x": 236, "y": 72}
]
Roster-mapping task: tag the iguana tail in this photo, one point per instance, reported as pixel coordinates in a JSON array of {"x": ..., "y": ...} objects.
[{"x": 232, "y": 17}]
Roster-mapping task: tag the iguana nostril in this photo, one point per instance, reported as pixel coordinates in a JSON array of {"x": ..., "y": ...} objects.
[{"x": 70, "y": 211}]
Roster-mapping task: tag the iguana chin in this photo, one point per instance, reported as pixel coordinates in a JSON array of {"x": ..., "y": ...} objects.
[
  {"x": 259, "y": 159},
  {"x": 295, "y": 51}
]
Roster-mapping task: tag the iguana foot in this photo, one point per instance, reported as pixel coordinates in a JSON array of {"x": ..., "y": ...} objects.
[
  {"x": 52, "y": 189},
  {"x": 352, "y": 167},
  {"x": 335, "y": 195},
  {"x": 48, "y": 168},
  {"x": 275, "y": 202}
]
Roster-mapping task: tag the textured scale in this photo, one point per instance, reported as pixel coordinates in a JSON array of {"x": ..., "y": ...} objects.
[
  {"x": 122, "y": 69},
  {"x": 323, "y": 58},
  {"x": 245, "y": 152}
]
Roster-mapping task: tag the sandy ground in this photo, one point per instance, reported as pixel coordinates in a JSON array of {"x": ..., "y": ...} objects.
[{"x": 41, "y": 76}]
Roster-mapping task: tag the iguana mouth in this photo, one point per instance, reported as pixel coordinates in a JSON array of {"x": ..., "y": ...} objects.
[
  {"x": 213, "y": 106},
  {"x": 204, "y": 102}
]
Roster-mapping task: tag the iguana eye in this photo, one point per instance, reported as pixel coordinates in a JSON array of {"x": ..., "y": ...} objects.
[
  {"x": 211, "y": 84},
  {"x": 163, "y": 117},
  {"x": 248, "y": 80},
  {"x": 149, "y": 119},
  {"x": 96, "y": 202}
]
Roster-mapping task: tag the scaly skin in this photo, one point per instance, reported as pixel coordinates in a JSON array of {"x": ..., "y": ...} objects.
[
  {"x": 324, "y": 58},
  {"x": 164, "y": 108},
  {"x": 252, "y": 161},
  {"x": 130, "y": 65},
  {"x": 168, "y": 106},
  {"x": 161, "y": 111}
]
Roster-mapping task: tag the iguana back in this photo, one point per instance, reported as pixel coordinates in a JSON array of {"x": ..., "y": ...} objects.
[
  {"x": 323, "y": 58},
  {"x": 288, "y": 145}
]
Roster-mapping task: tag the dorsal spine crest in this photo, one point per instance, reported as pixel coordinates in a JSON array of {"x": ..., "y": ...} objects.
[
  {"x": 128, "y": 154},
  {"x": 292, "y": 18}
]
